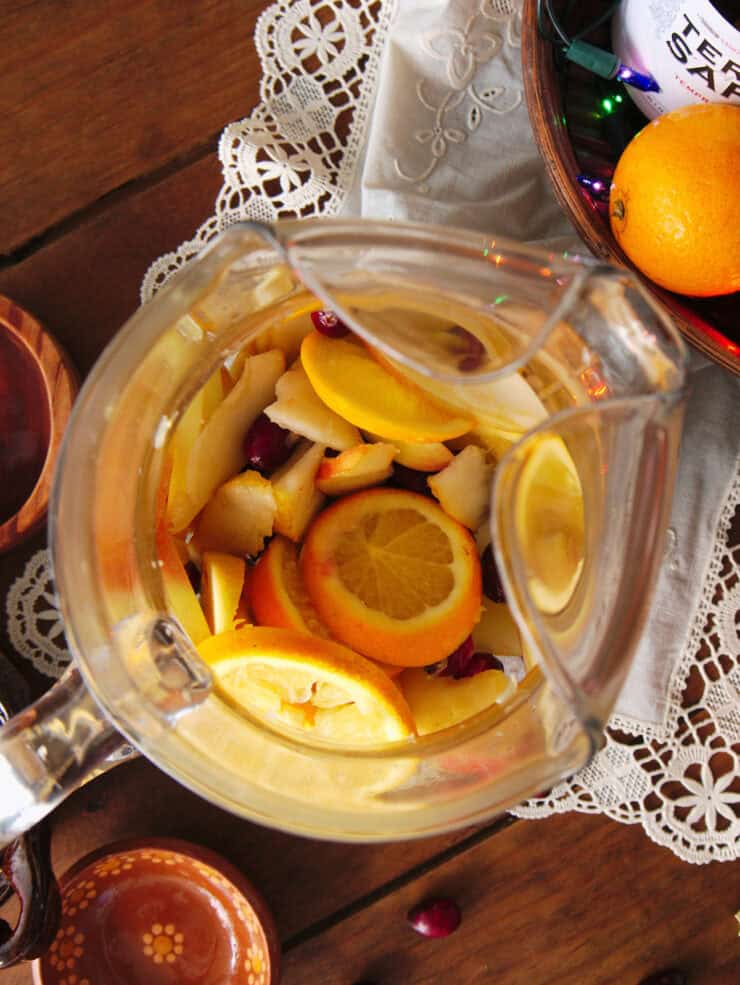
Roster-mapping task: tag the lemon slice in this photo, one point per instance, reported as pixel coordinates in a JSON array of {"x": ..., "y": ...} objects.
[
  {"x": 393, "y": 576},
  {"x": 359, "y": 389},
  {"x": 549, "y": 518},
  {"x": 308, "y": 683}
]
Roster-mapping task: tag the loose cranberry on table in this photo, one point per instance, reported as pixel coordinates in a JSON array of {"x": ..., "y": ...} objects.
[
  {"x": 326, "y": 323},
  {"x": 435, "y": 917},
  {"x": 266, "y": 445}
]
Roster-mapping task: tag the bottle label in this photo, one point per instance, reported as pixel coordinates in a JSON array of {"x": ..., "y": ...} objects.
[{"x": 687, "y": 46}]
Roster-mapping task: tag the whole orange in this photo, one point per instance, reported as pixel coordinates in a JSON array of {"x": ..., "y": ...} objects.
[{"x": 674, "y": 205}]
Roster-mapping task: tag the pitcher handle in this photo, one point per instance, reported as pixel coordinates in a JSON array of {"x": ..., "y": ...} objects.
[{"x": 49, "y": 750}]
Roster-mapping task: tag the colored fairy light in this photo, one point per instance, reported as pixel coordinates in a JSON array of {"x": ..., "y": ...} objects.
[
  {"x": 638, "y": 80},
  {"x": 596, "y": 187}
]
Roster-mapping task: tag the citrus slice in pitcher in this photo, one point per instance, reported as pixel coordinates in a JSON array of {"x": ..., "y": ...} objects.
[
  {"x": 354, "y": 385},
  {"x": 393, "y": 576},
  {"x": 308, "y": 683},
  {"x": 549, "y": 519}
]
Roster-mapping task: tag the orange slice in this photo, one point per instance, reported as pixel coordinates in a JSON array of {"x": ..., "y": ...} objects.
[
  {"x": 308, "y": 683},
  {"x": 277, "y": 595},
  {"x": 550, "y": 522},
  {"x": 393, "y": 576},
  {"x": 366, "y": 394}
]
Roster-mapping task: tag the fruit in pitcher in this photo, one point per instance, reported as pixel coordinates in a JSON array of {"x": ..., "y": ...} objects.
[
  {"x": 674, "y": 204},
  {"x": 357, "y": 387},
  {"x": 300, "y": 410},
  {"x": 550, "y": 524},
  {"x": 217, "y": 452},
  {"x": 393, "y": 576},
  {"x": 308, "y": 683},
  {"x": 266, "y": 446},
  {"x": 238, "y": 516},
  {"x": 222, "y": 580},
  {"x": 440, "y": 702},
  {"x": 463, "y": 487},
  {"x": 356, "y": 468},
  {"x": 277, "y": 594},
  {"x": 297, "y": 500}
]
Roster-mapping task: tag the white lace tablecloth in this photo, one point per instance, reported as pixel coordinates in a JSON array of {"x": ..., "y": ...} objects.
[{"x": 439, "y": 132}]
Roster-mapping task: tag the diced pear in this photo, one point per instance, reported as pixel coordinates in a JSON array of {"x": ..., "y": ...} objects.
[
  {"x": 463, "y": 488},
  {"x": 294, "y": 486},
  {"x": 238, "y": 517},
  {"x": 299, "y": 409},
  {"x": 424, "y": 456},
  {"x": 496, "y": 632},
  {"x": 356, "y": 468},
  {"x": 222, "y": 580},
  {"x": 217, "y": 452}
]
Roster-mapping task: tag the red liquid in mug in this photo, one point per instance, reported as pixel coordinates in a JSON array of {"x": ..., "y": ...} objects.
[{"x": 25, "y": 425}]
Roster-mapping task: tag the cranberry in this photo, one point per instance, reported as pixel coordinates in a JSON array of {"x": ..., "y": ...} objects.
[
  {"x": 411, "y": 479},
  {"x": 266, "y": 445},
  {"x": 467, "y": 662},
  {"x": 671, "y": 976},
  {"x": 468, "y": 348},
  {"x": 326, "y": 323},
  {"x": 492, "y": 586},
  {"x": 435, "y": 917}
]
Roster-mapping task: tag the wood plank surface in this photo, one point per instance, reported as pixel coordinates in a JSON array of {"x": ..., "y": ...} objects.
[
  {"x": 570, "y": 900},
  {"x": 303, "y": 881},
  {"x": 85, "y": 284},
  {"x": 95, "y": 95}
]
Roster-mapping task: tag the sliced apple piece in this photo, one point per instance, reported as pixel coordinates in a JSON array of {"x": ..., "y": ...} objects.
[
  {"x": 238, "y": 517},
  {"x": 439, "y": 702},
  {"x": 222, "y": 580},
  {"x": 181, "y": 599},
  {"x": 186, "y": 433},
  {"x": 356, "y": 468},
  {"x": 298, "y": 408},
  {"x": 463, "y": 488},
  {"x": 424, "y": 456},
  {"x": 217, "y": 452},
  {"x": 294, "y": 486},
  {"x": 496, "y": 632}
]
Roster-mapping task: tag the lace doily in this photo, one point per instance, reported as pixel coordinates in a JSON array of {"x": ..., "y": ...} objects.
[{"x": 297, "y": 155}]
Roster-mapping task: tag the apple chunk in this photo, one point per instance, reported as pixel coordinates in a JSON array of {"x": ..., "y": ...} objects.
[
  {"x": 217, "y": 452},
  {"x": 424, "y": 456},
  {"x": 222, "y": 580},
  {"x": 463, "y": 488},
  {"x": 496, "y": 632},
  {"x": 238, "y": 517},
  {"x": 356, "y": 468},
  {"x": 294, "y": 486},
  {"x": 299, "y": 409}
]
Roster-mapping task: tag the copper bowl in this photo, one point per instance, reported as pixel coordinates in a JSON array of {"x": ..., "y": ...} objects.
[
  {"x": 159, "y": 912},
  {"x": 574, "y": 138},
  {"x": 37, "y": 388}
]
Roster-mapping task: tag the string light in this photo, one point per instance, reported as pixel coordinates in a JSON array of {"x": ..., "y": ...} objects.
[{"x": 596, "y": 187}]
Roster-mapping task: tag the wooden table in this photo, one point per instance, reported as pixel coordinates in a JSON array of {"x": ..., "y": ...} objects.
[{"x": 110, "y": 116}]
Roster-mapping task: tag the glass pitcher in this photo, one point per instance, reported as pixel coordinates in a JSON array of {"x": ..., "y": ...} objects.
[{"x": 604, "y": 375}]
